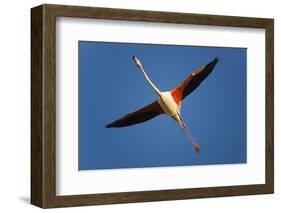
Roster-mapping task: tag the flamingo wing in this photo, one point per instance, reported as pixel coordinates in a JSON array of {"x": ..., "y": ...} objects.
[
  {"x": 146, "y": 113},
  {"x": 193, "y": 81}
]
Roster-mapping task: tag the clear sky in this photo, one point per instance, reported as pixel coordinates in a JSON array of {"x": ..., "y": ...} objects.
[{"x": 110, "y": 86}]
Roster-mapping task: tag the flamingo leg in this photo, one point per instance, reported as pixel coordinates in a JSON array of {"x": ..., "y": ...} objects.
[{"x": 188, "y": 134}]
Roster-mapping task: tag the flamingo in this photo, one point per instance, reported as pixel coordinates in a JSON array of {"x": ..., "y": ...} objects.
[{"x": 168, "y": 102}]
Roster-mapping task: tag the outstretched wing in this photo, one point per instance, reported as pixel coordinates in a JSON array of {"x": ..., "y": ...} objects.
[
  {"x": 193, "y": 81},
  {"x": 146, "y": 113}
]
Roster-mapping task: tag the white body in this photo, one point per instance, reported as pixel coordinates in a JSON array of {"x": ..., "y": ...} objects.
[{"x": 169, "y": 106}]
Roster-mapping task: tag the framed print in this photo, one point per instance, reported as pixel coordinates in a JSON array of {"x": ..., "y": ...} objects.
[{"x": 136, "y": 106}]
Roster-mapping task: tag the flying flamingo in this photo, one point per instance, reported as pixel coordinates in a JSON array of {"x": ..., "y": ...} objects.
[{"x": 169, "y": 102}]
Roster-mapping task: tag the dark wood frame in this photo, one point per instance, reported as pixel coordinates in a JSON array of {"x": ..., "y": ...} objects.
[{"x": 43, "y": 105}]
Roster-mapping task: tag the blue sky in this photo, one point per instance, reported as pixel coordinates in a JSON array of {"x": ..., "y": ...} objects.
[{"x": 110, "y": 86}]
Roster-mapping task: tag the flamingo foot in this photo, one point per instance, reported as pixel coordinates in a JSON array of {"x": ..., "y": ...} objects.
[{"x": 197, "y": 148}]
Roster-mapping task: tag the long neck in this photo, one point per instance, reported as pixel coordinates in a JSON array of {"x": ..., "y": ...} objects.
[{"x": 149, "y": 81}]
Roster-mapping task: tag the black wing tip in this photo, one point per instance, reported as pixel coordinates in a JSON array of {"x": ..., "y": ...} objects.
[
  {"x": 210, "y": 66},
  {"x": 216, "y": 59},
  {"x": 213, "y": 63},
  {"x": 108, "y": 126},
  {"x": 113, "y": 125}
]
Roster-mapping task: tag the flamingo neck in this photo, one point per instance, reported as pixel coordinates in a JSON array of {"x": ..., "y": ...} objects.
[{"x": 156, "y": 90}]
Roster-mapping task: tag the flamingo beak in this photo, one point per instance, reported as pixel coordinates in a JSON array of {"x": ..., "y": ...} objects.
[{"x": 137, "y": 61}]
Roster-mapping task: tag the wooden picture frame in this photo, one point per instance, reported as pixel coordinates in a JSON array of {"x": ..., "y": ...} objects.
[{"x": 43, "y": 105}]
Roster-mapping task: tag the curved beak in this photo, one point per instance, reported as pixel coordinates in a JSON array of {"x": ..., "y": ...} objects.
[{"x": 137, "y": 61}]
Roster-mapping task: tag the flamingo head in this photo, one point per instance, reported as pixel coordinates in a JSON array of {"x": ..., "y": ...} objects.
[{"x": 137, "y": 61}]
